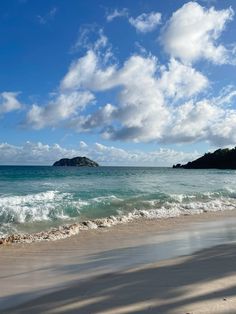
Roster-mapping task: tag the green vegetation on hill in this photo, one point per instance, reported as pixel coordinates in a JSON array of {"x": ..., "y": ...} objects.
[
  {"x": 76, "y": 162},
  {"x": 220, "y": 159}
]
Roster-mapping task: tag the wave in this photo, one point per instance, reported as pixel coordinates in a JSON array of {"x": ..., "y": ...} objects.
[
  {"x": 174, "y": 209},
  {"x": 106, "y": 199},
  {"x": 45, "y": 206},
  {"x": 168, "y": 210},
  {"x": 52, "y": 205},
  {"x": 42, "y": 206}
]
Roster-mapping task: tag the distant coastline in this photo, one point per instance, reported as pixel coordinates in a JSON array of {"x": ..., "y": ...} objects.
[{"x": 219, "y": 159}]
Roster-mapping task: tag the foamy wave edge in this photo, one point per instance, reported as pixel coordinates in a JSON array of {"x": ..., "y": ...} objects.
[{"x": 69, "y": 230}]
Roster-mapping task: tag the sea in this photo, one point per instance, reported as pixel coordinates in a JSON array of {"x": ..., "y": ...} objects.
[{"x": 37, "y": 198}]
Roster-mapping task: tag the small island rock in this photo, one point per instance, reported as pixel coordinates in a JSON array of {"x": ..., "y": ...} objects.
[{"x": 76, "y": 162}]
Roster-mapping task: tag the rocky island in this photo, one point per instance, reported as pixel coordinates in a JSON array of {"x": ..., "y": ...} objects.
[
  {"x": 76, "y": 162},
  {"x": 220, "y": 159}
]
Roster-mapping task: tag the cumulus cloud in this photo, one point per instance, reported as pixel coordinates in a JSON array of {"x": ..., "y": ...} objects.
[
  {"x": 138, "y": 91},
  {"x": 192, "y": 33},
  {"x": 211, "y": 120},
  {"x": 180, "y": 80},
  {"x": 9, "y": 102},
  {"x": 74, "y": 93},
  {"x": 101, "y": 117},
  {"x": 143, "y": 109},
  {"x": 192, "y": 121},
  {"x": 116, "y": 14},
  {"x": 146, "y": 22},
  {"x": 86, "y": 72},
  {"x": 43, "y": 154},
  {"x": 62, "y": 107},
  {"x": 151, "y": 102}
]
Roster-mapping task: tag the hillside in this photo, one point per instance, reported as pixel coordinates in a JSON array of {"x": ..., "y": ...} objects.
[{"x": 220, "y": 159}]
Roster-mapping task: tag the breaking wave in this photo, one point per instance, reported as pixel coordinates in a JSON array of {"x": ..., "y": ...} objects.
[
  {"x": 53, "y": 205},
  {"x": 36, "y": 207}
]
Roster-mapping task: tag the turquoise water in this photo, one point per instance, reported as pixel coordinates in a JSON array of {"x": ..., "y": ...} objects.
[{"x": 37, "y": 198}]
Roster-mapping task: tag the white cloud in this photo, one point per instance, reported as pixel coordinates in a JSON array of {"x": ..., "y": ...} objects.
[
  {"x": 142, "y": 109},
  {"x": 86, "y": 72},
  {"x": 151, "y": 102},
  {"x": 180, "y": 80},
  {"x": 204, "y": 120},
  {"x": 145, "y": 110},
  {"x": 193, "y": 31},
  {"x": 118, "y": 156},
  {"x": 226, "y": 96},
  {"x": 86, "y": 33},
  {"x": 103, "y": 116},
  {"x": 32, "y": 153},
  {"x": 116, "y": 14},
  {"x": 223, "y": 131},
  {"x": 62, "y": 107},
  {"x": 154, "y": 103},
  {"x": 192, "y": 122},
  {"x": 146, "y": 22},
  {"x": 9, "y": 102},
  {"x": 82, "y": 145},
  {"x": 139, "y": 99},
  {"x": 73, "y": 95},
  {"x": 42, "y": 154}
]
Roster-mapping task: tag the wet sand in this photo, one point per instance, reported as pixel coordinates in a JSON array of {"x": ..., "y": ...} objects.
[{"x": 178, "y": 265}]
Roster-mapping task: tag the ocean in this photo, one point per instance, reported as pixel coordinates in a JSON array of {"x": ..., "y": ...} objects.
[{"x": 37, "y": 198}]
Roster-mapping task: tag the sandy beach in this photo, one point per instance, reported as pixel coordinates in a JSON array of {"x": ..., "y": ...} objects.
[
  {"x": 177, "y": 265},
  {"x": 118, "y": 157}
]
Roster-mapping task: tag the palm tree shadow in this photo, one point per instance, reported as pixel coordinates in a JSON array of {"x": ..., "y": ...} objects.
[{"x": 159, "y": 288}]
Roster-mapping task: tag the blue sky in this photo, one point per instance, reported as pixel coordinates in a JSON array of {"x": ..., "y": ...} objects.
[{"x": 123, "y": 82}]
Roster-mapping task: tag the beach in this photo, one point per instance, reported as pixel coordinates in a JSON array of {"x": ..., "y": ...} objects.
[
  {"x": 184, "y": 264},
  {"x": 118, "y": 157}
]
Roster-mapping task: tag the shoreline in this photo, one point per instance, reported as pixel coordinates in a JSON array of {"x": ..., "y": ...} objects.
[
  {"x": 34, "y": 275},
  {"x": 68, "y": 230}
]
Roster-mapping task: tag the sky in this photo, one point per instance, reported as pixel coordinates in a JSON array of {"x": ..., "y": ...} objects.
[{"x": 128, "y": 83}]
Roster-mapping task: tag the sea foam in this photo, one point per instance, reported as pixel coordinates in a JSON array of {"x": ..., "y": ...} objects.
[
  {"x": 169, "y": 210},
  {"x": 35, "y": 207}
]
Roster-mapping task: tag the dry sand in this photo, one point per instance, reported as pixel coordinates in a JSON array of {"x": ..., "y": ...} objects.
[{"x": 178, "y": 265}]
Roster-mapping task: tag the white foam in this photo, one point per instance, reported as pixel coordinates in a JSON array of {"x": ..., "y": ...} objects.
[
  {"x": 6, "y": 229},
  {"x": 169, "y": 209},
  {"x": 174, "y": 209},
  {"x": 229, "y": 189},
  {"x": 32, "y": 207},
  {"x": 105, "y": 199},
  {"x": 182, "y": 197}
]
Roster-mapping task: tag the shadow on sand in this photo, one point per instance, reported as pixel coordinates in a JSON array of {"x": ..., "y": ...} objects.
[{"x": 160, "y": 288}]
